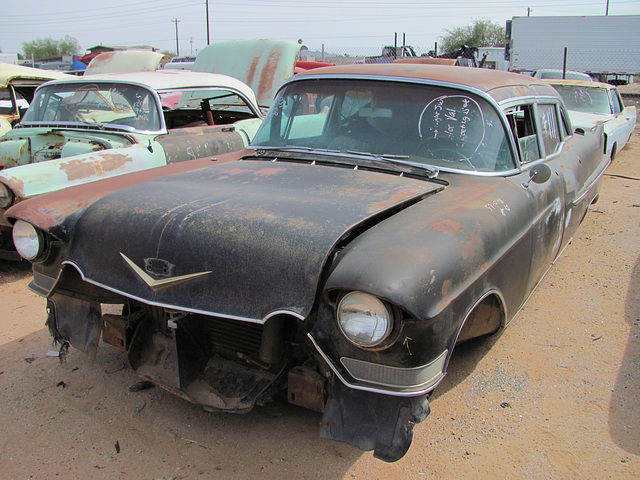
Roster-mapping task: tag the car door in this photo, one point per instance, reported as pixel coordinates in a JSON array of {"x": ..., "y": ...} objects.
[
  {"x": 619, "y": 129},
  {"x": 541, "y": 181}
]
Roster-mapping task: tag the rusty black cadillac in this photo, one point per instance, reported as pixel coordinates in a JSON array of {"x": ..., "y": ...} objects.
[{"x": 382, "y": 215}]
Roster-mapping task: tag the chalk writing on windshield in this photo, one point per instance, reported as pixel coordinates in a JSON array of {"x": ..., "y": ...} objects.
[{"x": 457, "y": 120}]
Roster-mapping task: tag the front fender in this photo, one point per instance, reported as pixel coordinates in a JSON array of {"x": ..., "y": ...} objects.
[{"x": 27, "y": 181}]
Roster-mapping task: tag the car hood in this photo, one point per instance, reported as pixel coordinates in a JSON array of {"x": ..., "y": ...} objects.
[
  {"x": 21, "y": 75},
  {"x": 245, "y": 239},
  {"x": 264, "y": 65},
  {"x": 588, "y": 120}
]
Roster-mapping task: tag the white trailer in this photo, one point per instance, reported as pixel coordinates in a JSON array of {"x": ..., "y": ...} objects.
[
  {"x": 9, "y": 58},
  {"x": 493, "y": 58},
  {"x": 605, "y": 47}
]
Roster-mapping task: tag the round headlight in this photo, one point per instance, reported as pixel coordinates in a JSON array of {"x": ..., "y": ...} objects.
[
  {"x": 27, "y": 240},
  {"x": 6, "y": 196},
  {"x": 364, "y": 319}
]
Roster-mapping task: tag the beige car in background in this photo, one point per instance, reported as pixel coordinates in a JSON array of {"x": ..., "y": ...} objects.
[{"x": 17, "y": 86}]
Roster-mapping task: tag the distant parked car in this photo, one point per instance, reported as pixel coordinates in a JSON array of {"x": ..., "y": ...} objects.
[
  {"x": 382, "y": 215},
  {"x": 17, "y": 87},
  {"x": 594, "y": 103},
  {"x": 85, "y": 128},
  {"x": 547, "y": 73},
  {"x": 180, "y": 63}
]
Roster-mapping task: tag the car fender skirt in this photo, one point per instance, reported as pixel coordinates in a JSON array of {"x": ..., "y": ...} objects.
[{"x": 371, "y": 421}]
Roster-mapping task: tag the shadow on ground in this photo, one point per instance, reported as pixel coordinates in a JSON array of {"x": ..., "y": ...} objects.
[{"x": 624, "y": 411}]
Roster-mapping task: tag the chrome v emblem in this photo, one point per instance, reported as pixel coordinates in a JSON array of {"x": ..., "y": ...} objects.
[{"x": 165, "y": 282}]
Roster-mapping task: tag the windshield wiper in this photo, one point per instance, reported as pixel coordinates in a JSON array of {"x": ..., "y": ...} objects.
[
  {"x": 289, "y": 148},
  {"x": 390, "y": 156},
  {"x": 393, "y": 159}
]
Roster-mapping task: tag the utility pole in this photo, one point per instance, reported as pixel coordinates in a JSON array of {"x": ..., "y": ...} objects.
[
  {"x": 192, "y": 46},
  {"x": 177, "y": 45},
  {"x": 207, "y": 3},
  {"x": 607, "y": 10}
]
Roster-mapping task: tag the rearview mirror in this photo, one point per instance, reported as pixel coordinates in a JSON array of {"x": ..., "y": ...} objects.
[{"x": 538, "y": 174}]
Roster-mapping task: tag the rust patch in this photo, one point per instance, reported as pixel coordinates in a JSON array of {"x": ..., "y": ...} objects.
[
  {"x": 395, "y": 198},
  {"x": 447, "y": 226},
  {"x": 16, "y": 185},
  {"x": 268, "y": 171},
  {"x": 251, "y": 71},
  {"x": 472, "y": 248},
  {"x": 89, "y": 167},
  {"x": 267, "y": 74},
  {"x": 236, "y": 171}
]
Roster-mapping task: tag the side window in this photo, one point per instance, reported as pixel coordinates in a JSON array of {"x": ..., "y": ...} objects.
[
  {"x": 564, "y": 123},
  {"x": 311, "y": 118},
  {"x": 523, "y": 126},
  {"x": 6, "y": 103},
  {"x": 616, "y": 102},
  {"x": 548, "y": 122}
]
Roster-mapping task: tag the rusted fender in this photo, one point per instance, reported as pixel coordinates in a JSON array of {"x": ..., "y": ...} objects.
[
  {"x": 37, "y": 178},
  {"x": 53, "y": 211}
]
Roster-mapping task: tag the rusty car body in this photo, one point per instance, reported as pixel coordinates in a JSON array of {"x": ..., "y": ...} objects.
[
  {"x": 595, "y": 103},
  {"x": 100, "y": 125},
  {"x": 17, "y": 86},
  {"x": 382, "y": 215}
]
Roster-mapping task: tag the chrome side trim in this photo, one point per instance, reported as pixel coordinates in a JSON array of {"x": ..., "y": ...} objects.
[
  {"x": 433, "y": 368},
  {"x": 181, "y": 308}
]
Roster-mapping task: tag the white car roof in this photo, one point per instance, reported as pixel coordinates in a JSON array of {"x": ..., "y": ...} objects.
[{"x": 169, "y": 80}]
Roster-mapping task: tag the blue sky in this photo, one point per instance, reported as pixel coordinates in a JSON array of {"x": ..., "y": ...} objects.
[{"x": 342, "y": 26}]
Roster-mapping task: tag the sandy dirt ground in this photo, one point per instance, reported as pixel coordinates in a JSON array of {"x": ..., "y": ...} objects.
[{"x": 556, "y": 396}]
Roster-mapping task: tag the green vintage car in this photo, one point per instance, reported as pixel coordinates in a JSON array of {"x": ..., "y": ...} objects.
[{"x": 87, "y": 128}]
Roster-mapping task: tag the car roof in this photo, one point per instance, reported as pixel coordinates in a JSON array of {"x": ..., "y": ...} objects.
[
  {"x": 500, "y": 85},
  {"x": 579, "y": 83},
  {"x": 555, "y": 72},
  {"x": 169, "y": 80},
  {"x": 21, "y": 75}
]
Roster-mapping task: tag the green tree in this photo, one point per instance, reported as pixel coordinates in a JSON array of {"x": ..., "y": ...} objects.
[
  {"x": 483, "y": 33},
  {"x": 45, "y": 48}
]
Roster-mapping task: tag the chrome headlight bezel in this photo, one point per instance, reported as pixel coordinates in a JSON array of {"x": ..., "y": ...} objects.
[
  {"x": 28, "y": 240},
  {"x": 365, "y": 320},
  {"x": 6, "y": 196}
]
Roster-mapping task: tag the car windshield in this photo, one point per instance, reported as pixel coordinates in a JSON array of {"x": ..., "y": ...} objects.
[
  {"x": 106, "y": 104},
  {"x": 423, "y": 124},
  {"x": 585, "y": 99}
]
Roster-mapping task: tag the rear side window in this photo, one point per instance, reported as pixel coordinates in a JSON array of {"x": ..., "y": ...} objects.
[
  {"x": 616, "y": 102},
  {"x": 523, "y": 125},
  {"x": 549, "y": 128}
]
